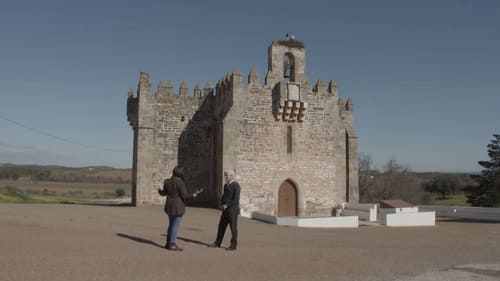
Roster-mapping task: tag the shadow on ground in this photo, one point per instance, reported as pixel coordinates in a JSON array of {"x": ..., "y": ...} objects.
[{"x": 139, "y": 239}]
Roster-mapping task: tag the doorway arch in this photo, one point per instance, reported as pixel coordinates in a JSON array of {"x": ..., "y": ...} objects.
[{"x": 287, "y": 200}]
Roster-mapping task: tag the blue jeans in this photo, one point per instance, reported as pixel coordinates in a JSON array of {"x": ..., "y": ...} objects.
[{"x": 173, "y": 227}]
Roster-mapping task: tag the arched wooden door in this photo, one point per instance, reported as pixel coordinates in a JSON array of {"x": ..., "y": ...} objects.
[{"x": 287, "y": 200}]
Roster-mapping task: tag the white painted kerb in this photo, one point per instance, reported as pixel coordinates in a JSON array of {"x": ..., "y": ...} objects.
[{"x": 321, "y": 222}]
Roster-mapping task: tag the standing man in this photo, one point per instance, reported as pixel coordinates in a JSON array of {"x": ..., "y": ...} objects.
[{"x": 230, "y": 210}]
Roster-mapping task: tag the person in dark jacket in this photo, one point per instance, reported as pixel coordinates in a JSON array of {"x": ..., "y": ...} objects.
[
  {"x": 230, "y": 210},
  {"x": 175, "y": 190}
]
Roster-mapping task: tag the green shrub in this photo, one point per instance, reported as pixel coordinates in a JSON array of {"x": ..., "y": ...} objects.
[{"x": 16, "y": 192}]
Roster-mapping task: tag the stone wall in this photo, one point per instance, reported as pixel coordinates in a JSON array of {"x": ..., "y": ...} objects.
[
  {"x": 171, "y": 129},
  {"x": 255, "y": 145}
]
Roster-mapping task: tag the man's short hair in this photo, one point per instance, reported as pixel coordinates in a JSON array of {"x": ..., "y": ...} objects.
[{"x": 229, "y": 172}]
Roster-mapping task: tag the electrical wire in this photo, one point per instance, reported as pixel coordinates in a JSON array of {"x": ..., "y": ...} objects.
[{"x": 41, "y": 132}]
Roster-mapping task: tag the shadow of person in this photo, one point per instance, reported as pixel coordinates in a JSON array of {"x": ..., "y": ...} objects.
[
  {"x": 139, "y": 239},
  {"x": 192, "y": 241}
]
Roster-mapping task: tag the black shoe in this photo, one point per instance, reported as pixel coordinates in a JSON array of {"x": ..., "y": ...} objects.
[
  {"x": 231, "y": 249},
  {"x": 214, "y": 245}
]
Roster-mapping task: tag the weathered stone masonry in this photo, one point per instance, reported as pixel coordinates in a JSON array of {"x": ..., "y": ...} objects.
[{"x": 293, "y": 145}]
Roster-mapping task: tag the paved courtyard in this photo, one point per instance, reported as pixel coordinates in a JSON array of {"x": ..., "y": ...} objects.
[{"x": 77, "y": 242}]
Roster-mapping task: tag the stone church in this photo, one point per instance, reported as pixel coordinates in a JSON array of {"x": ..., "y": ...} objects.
[{"x": 293, "y": 145}]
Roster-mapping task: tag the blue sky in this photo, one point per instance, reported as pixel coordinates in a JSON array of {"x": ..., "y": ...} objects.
[{"x": 424, "y": 75}]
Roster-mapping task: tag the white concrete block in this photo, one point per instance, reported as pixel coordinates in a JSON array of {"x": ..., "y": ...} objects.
[
  {"x": 363, "y": 215},
  {"x": 264, "y": 217},
  {"x": 410, "y": 219},
  {"x": 322, "y": 222},
  {"x": 385, "y": 211},
  {"x": 367, "y": 212}
]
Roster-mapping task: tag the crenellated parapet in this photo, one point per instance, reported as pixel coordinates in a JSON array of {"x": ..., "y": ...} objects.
[
  {"x": 330, "y": 91},
  {"x": 235, "y": 79},
  {"x": 144, "y": 83},
  {"x": 225, "y": 91},
  {"x": 141, "y": 108},
  {"x": 253, "y": 78},
  {"x": 321, "y": 88},
  {"x": 183, "y": 90},
  {"x": 165, "y": 90},
  {"x": 236, "y": 76},
  {"x": 349, "y": 105},
  {"x": 208, "y": 90},
  {"x": 332, "y": 88}
]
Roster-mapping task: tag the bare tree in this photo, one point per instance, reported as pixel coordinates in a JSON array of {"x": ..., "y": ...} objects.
[
  {"x": 365, "y": 175},
  {"x": 396, "y": 181}
]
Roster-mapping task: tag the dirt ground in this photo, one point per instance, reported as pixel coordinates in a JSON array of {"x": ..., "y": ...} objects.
[{"x": 77, "y": 242}]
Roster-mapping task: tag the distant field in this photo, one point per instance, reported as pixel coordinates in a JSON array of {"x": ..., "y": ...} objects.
[
  {"x": 52, "y": 192},
  {"x": 114, "y": 174},
  {"x": 452, "y": 200}
]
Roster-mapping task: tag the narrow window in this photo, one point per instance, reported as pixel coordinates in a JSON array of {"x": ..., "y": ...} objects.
[
  {"x": 286, "y": 67},
  {"x": 289, "y": 67},
  {"x": 289, "y": 139}
]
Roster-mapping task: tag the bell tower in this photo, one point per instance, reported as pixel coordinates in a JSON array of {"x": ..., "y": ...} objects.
[
  {"x": 286, "y": 60},
  {"x": 286, "y": 76}
]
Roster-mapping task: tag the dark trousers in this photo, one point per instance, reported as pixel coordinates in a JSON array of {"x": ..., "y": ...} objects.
[{"x": 228, "y": 216}]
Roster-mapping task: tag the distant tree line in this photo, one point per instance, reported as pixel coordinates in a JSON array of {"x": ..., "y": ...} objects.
[
  {"x": 396, "y": 181},
  {"x": 42, "y": 173},
  {"x": 21, "y": 172}
]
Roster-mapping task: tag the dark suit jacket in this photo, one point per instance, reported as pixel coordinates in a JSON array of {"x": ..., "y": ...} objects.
[
  {"x": 231, "y": 196},
  {"x": 175, "y": 190}
]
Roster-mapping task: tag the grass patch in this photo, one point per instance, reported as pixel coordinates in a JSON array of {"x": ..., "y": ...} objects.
[
  {"x": 10, "y": 198},
  {"x": 452, "y": 200},
  {"x": 37, "y": 199}
]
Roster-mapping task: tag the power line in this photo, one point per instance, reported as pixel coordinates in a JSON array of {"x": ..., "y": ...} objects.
[{"x": 41, "y": 132}]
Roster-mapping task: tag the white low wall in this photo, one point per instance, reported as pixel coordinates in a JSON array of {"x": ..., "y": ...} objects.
[
  {"x": 321, "y": 222},
  {"x": 409, "y": 219},
  {"x": 476, "y": 213},
  {"x": 324, "y": 222},
  {"x": 366, "y": 212},
  {"x": 246, "y": 214},
  {"x": 264, "y": 217}
]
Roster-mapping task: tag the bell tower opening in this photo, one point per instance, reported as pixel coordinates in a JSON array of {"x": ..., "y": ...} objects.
[{"x": 289, "y": 67}]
